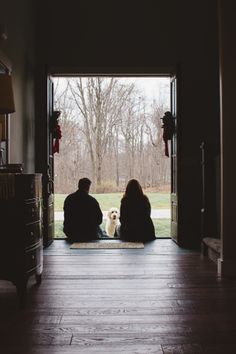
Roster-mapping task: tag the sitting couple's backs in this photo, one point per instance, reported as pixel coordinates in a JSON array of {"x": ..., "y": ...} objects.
[{"x": 82, "y": 215}]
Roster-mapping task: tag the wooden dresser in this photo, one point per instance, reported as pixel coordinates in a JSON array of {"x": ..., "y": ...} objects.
[{"x": 21, "y": 250}]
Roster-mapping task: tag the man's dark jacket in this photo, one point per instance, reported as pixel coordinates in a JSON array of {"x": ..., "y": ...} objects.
[{"x": 82, "y": 216}]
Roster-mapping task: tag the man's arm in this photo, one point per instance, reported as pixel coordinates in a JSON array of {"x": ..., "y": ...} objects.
[
  {"x": 98, "y": 216},
  {"x": 66, "y": 225}
]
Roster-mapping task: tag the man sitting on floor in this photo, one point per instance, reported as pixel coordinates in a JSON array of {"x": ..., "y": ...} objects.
[{"x": 82, "y": 214}]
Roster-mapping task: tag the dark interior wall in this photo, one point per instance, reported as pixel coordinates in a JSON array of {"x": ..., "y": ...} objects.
[
  {"x": 109, "y": 33},
  {"x": 129, "y": 35},
  {"x": 199, "y": 115},
  {"x": 16, "y": 16}
]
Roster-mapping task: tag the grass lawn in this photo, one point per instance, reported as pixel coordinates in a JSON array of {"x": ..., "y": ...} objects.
[
  {"x": 108, "y": 200},
  {"x": 162, "y": 228}
]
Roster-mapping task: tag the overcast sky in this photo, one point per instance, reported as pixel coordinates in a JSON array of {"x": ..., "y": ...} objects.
[
  {"x": 157, "y": 88},
  {"x": 153, "y": 87}
]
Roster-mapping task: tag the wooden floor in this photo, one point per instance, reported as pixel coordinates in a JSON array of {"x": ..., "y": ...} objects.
[{"x": 160, "y": 299}]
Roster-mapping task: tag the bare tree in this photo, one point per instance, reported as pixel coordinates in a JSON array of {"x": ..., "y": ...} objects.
[
  {"x": 156, "y": 148},
  {"x": 100, "y": 102},
  {"x": 69, "y": 159},
  {"x": 110, "y": 134},
  {"x": 132, "y": 130}
]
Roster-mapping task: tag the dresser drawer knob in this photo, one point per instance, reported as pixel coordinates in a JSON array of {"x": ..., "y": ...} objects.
[
  {"x": 33, "y": 257},
  {"x": 31, "y": 233}
]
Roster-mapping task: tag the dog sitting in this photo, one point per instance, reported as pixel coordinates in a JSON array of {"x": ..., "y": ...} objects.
[{"x": 112, "y": 221}]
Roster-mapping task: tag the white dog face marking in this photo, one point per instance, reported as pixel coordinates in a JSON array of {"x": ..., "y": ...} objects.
[{"x": 114, "y": 214}]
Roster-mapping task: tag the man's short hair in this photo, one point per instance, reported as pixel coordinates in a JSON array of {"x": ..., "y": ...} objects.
[{"x": 84, "y": 183}]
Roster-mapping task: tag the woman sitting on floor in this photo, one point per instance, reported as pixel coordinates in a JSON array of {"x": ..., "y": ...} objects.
[{"x": 135, "y": 210}]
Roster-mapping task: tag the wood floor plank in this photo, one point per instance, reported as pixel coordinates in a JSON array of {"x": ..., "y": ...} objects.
[{"x": 161, "y": 299}]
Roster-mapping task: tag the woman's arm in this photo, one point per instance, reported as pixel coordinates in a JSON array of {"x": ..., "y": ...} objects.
[
  {"x": 148, "y": 206},
  {"x": 122, "y": 211}
]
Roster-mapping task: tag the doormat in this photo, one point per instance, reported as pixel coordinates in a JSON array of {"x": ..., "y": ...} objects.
[{"x": 106, "y": 245}]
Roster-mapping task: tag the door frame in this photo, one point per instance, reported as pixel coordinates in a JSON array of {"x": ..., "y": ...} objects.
[
  {"x": 5, "y": 68},
  {"x": 48, "y": 176},
  {"x": 85, "y": 71},
  {"x": 174, "y": 161}
]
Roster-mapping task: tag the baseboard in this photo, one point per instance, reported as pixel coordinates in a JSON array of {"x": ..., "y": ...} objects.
[
  {"x": 211, "y": 247},
  {"x": 226, "y": 268}
]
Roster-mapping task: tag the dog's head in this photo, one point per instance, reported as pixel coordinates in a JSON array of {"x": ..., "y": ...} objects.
[{"x": 113, "y": 214}]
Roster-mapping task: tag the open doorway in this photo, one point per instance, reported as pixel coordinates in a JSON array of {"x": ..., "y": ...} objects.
[{"x": 111, "y": 132}]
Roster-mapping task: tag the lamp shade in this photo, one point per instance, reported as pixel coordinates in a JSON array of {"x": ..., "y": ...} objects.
[{"x": 6, "y": 94}]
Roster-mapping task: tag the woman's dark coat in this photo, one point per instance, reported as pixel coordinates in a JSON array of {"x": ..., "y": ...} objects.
[{"x": 136, "y": 222}]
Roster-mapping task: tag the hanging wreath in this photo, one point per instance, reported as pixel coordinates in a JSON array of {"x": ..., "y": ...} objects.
[
  {"x": 56, "y": 131},
  {"x": 168, "y": 129}
]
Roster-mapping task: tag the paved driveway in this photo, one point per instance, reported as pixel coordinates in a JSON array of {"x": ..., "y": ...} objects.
[{"x": 155, "y": 214}]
